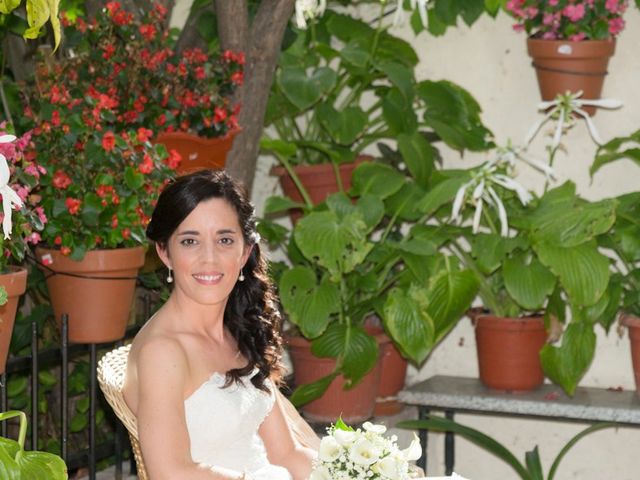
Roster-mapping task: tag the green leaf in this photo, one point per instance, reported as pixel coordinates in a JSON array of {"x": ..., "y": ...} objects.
[
  {"x": 281, "y": 148},
  {"x": 343, "y": 126},
  {"x": 305, "y": 90},
  {"x": 9, "y": 468},
  {"x": 7, "y": 6},
  {"x": 418, "y": 155},
  {"x": 566, "y": 365},
  {"x": 442, "y": 193},
  {"x": 306, "y": 393},
  {"x": 490, "y": 250},
  {"x": 398, "y": 113},
  {"x": 78, "y": 423},
  {"x": 532, "y": 459},
  {"x": 376, "y": 179},
  {"x": 309, "y": 304},
  {"x": 582, "y": 270},
  {"x": 276, "y": 204},
  {"x": 133, "y": 179},
  {"x": 401, "y": 77},
  {"x": 528, "y": 281}
]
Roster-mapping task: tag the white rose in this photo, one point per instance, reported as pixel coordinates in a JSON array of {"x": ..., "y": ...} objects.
[
  {"x": 320, "y": 473},
  {"x": 329, "y": 449},
  {"x": 363, "y": 452}
]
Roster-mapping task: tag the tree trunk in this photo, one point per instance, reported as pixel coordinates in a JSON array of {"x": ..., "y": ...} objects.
[{"x": 261, "y": 42}]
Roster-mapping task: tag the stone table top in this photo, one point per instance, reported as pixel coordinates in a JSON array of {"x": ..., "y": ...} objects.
[{"x": 588, "y": 403}]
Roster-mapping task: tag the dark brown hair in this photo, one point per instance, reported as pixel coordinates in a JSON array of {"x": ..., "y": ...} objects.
[{"x": 251, "y": 314}]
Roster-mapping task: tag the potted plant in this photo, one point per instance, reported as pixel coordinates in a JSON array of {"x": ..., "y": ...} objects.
[
  {"x": 343, "y": 85},
  {"x": 130, "y": 62},
  {"x": 98, "y": 193},
  {"x": 23, "y": 219},
  {"x": 15, "y": 462},
  {"x": 623, "y": 241},
  {"x": 531, "y": 256},
  {"x": 570, "y": 42},
  {"x": 351, "y": 260}
]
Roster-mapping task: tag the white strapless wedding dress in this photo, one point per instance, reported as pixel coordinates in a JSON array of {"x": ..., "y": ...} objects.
[{"x": 223, "y": 427}]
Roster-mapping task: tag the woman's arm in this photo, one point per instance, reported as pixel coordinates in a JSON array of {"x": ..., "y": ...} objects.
[
  {"x": 161, "y": 371},
  {"x": 282, "y": 448}
]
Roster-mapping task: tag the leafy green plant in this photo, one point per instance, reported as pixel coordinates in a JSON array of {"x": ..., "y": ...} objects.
[
  {"x": 624, "y": 238},
  {"x": 16, "y": 463},
  {"x": 531, "y": 469},
  {"x": 352, "y": 260}
]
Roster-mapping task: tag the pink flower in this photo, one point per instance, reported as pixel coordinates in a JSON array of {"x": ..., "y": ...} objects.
[
  {"x": 548, "y": 19},
  {"x": 32, "y": 170},
  {"x": 553, "y": 3},
  {"x": 616, "y": 25},
  {"x": 22, "y": 192},
  {"x": 577, "y": 37},
  {"x": 518, "y": 27},
  {"x": 40, "y": 212},
  {"x": 549, "y": 36},
  {"x": 612, "y": 5},
  {"x": 34, "y": 238},
  {"x": 574, "y": 12}
]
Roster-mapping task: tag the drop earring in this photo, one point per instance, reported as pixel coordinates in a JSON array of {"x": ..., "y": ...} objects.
[
  {"x": 241, "y": 276},
  {"x": 170, "y": 276}
]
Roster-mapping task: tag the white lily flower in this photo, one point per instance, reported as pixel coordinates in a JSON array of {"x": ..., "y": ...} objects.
[
  {"x": 374, "y": 427},
  {"x": 562, "y": 109},
  {"x": 344, "y": 437},
  {"x": 308, "y": 10},
  {"x": 477, "y": 216},
  {"x": 458, "y": 201},
  {"x": 389, "y": 468},
  {"x": 478, "y": 191},
  {"x": 9, "y": 196},
  {"x": 414, "y": 451},
  {"x": 422, "y": 10},
  {"x": 510, "y": 184},
  {"x": 502, "y": 212}
]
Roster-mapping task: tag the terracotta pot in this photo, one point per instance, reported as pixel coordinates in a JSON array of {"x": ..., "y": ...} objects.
[
  {"x": 508, "y": 352},
  {"x": 318, "y": 180},
  {"x": 354, "y": 405},
  {"x": 15, "y": 283},
  {"x": 562, "y": 65},
  {"x": 197, "y": 153},
  {"x": 96, "y": 292},
  {"x": 392, "y": 377},
  {"x": 633, "y": 325}
]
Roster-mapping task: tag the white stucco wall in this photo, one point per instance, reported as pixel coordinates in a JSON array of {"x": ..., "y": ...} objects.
[{"x": 490, "y": 60}]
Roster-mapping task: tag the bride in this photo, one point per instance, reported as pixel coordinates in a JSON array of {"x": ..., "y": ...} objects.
[{"x": 203, "y": 372}]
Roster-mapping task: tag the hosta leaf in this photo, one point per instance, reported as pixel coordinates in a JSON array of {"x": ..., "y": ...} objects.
[
  {"x": 565, "y": 365},
  {"x": 528, "y": 281},
  {"x": 308, "y": 304},
  {"x": 304, "y": 90},
  {"x": 376, "y": 179},
  {"x": 583, "y": 271},
  {"x": 418, "y": 155},
  {"x": 42, "y": 466}
]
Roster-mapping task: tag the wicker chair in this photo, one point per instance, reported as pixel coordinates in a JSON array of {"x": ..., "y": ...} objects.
[{"x": 111, "y": 371}]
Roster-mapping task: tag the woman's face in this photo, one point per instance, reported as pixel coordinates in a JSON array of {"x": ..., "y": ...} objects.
[{"x": 207, "y": 252}]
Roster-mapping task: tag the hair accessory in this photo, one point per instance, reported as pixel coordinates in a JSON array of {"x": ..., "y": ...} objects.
[
  {"x": 170, "y": 276},
  {"x": 241, "y": 276}
]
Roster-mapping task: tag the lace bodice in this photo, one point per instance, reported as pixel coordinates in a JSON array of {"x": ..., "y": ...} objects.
[{"x": 223, "y": 427}]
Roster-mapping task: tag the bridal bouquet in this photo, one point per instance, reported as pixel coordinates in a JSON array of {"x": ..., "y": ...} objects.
[{"x": 363, "y": 454}]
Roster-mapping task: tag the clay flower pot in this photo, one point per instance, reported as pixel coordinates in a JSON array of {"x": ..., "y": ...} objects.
[
  {"x": 96, "y": 292},
  {"x": 197, "y": 153},
  {"x": 15, "y": 283}
]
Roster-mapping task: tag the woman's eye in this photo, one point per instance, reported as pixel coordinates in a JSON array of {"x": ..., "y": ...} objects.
[
  {"x": 187, "y": 242},
  {"x": 226, "y": 241}
]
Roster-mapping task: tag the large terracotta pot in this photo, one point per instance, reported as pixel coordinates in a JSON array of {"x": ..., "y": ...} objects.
[
  {"x": 393, "y": 373},
  {"x": 197, "y": 152},
  {"x": 633, "y": 326},
  {"x": 96, "y": 292},
  {"x": 15, "y": 283},
  {"x": 354, "y": 405},
  {"x": 563, "y": 65},
  {"x": 318, "y": 180},
  {"x": 508, "y": 351}
]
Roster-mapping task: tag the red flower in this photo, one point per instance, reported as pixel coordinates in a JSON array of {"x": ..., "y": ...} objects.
[
  {"x": 73, "y": 205},
  {"x": 144, "y": 134},
  {"x": 147, "y": 31},
  {"x": 146, "y": 166},
  {"x": 114, "y": 221},
  {"x": 174, "y": 159},
  {"x": 109, "y": 50},
  {"x": 113, "y": 7},
  {"x": 55, "y": 118},
  {"x": 219, "y": 115},
  {"x": 57, "y": 240},
  {"x": 126, "y": 233},
  {"x": 237, "y": 78},
  {"x": 108, "y": 141},
  {"x": 65, "y": 251},
  {"x": 61, "y": 180}
]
